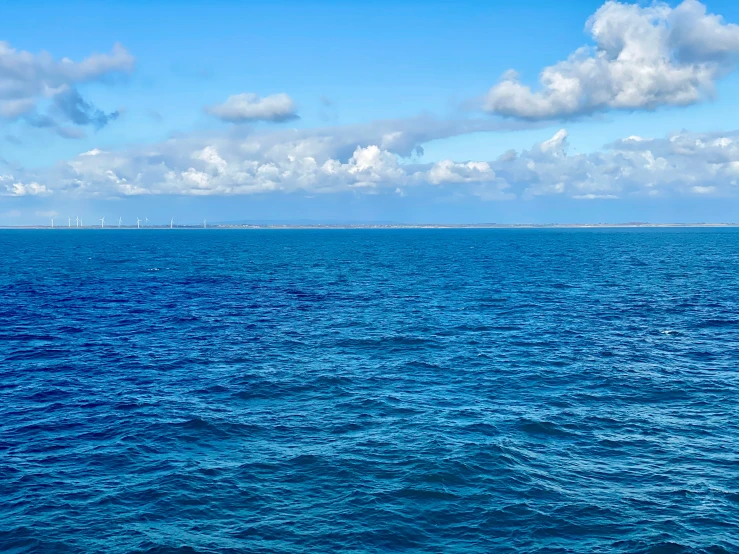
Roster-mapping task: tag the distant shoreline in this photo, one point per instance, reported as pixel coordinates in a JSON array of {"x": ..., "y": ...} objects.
[{"x": 384, "y": 226}]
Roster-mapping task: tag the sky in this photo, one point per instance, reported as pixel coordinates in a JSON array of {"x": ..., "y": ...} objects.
[{"x": 344, "y": 112}]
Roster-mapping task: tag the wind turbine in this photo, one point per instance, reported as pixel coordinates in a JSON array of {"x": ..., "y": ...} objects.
[
  {"x": 138, "y": 223},
  {"x": 69, "y": 222},
  {"x": 171, "y": 223},
  {"x": 146, "y": 221},
  {"x": 77, "y": 221},
  {"x": 102, "y": 222},
  {"x": 119, "y": 222},
  {"x": 205, "y": 226},
  {"x": 52, "y": 222}
]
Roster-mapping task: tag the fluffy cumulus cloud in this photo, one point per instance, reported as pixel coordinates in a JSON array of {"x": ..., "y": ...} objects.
[
  {"x": 248, "y": 107},
  {"x": 10, "y": 186},
  {"x": 26, "y": 79},
  {"x": 644, "y": 57},
  {"x": 448, "y": 171},
  {"x": 372, "y": 159},
  {"x": 686, "y": 164},
  {"x": 363, "y": 158}
]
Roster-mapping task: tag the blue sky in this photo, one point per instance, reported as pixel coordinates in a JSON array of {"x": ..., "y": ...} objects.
[{"x": 384, "y": 111}]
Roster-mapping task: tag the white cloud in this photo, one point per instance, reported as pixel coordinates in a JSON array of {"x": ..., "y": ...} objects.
[
  {"x": 681, "y": 164},
  {"x": 369, "y": 167},
  {"x": 244, "y": 107},
  {"x": 353, "y": 159},
  {"x": 555, "y": 145},
  {"x": 210, "y": 156},
  {"x": 12, "y": 187},
  {"x": 447, "y": 171},
  {"x": 703, "y": 190},
  {"x": 591, "y": 196},
  {"x": 644, "y": 58},
  {"x": 27, "y": 75},
  {"x": 50, "y": 213},
  {"x": 358, "y": 157},
  {"x": 26, "y": 78}
]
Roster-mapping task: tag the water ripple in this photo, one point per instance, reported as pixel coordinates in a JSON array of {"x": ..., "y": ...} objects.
[{"x": 369, "y": 391}]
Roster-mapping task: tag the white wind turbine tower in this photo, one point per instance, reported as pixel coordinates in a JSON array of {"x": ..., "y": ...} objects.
[
  {"x": 171, "y": 223},
  {"x": 119, "y": 222},
  {"x": 138, "y": 223},
  {"x": 69, "y": 222},
  {"x": 146, "y": 222},
  {"x": 102, "y": 222},
  {"x": 205, "y": 226},
  {"x": 77, "y": 221},
  {"x": 52, "y": 222}
]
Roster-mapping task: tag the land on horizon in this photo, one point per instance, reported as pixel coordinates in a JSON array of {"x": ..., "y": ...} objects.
[{"x": 378, "y": 226}]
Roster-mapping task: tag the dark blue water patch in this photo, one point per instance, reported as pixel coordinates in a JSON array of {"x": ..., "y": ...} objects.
[{"x": 369, "y": 391}]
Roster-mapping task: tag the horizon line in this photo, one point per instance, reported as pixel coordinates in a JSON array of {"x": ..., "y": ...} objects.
[{"x": 216, "y": 226}]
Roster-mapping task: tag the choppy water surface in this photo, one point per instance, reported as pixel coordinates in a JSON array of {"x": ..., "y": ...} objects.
[{"x": 369, "y": 391}]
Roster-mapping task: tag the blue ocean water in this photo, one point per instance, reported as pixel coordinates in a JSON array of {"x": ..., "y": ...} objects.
[{"x": 455, "y": 391}]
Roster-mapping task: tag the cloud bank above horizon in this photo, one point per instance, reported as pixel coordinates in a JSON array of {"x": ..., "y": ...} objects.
[{"x": 368, "y": 160}]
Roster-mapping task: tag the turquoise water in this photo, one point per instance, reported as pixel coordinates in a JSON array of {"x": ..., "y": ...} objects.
[{"x": 453, "y": 391}]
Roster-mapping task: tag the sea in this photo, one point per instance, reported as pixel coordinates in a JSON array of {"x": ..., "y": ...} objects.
[{"x": 369, "y": 390}]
